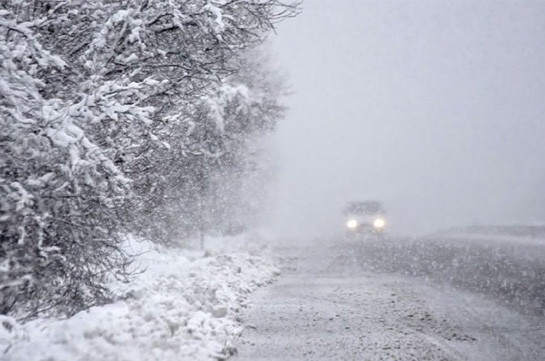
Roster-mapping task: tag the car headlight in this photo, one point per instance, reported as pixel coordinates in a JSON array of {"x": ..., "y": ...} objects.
[
  {"x": 379, "y": 223},
  {"x": 352, "y": 224}
]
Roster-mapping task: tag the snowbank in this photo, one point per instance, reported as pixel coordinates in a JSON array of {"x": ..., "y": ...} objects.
[
  {"x": 185, "y": 306},
  {"x": 507, "y": 234}
]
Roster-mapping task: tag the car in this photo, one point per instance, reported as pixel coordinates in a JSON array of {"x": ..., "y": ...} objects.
[{"x": 364, "y": 218}]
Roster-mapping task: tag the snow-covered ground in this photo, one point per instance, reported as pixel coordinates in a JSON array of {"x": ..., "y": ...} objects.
[
  {"x": 526, "y": 235},
  {"x": 183, "y": 306}
]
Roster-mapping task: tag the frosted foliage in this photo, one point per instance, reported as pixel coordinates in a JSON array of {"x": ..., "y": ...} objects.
[
  {"x": 116, "y": 115},
  {"x": 52, "y": 176}
]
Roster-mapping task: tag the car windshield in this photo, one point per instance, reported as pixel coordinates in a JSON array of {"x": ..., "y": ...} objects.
[{"x": 369, "y": 207}]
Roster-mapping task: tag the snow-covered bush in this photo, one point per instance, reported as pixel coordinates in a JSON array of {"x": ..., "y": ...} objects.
[
  {"x": 117, "y": 114},
  {"x": 213, "y": 157},
  {"x": 59, "y": 192},
  {"x": 184, "y": 307},
  {"x": 164, "y": 87}
]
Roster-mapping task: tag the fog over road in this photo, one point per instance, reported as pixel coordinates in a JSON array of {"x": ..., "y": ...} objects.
[
  {"x": 433, "y": 107},
  {"x": 447, "y": 297}
]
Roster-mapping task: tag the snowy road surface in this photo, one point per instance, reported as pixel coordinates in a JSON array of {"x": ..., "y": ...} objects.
[{"x": 395, "y": 299}]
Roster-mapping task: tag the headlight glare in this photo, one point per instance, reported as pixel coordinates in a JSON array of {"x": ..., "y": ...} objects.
[
  {"x": 379, "y": 223},
  {"x": 352, "y": 224}
]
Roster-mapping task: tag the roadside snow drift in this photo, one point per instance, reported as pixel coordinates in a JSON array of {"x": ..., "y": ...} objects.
[{"x": 183, "y": 307}]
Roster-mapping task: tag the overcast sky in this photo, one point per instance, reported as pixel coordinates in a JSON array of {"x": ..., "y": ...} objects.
[{"x": 436, "y": 108}]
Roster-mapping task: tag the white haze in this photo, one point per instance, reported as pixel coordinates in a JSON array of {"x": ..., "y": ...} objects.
[{"x": 436, "y": 108}]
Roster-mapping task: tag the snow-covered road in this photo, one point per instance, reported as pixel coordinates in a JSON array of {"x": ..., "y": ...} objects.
[{"x": 339, "y": 301}]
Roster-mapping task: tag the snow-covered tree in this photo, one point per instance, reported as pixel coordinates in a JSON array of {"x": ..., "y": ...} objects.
[
  {"x": 148, "y": 71},
  {"x": 215, "y": 155},
  {"x": 111, "y": 110},
  {"x": 59, "y": 192}
]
